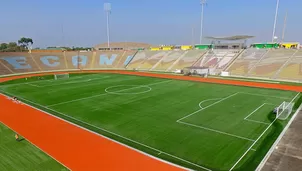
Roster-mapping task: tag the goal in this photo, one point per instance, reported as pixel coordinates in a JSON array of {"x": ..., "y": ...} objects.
[
  {"x": 61, "y": 76},
  {"x": 284, "y": 110},
  {"x": 199, "y": 71}
]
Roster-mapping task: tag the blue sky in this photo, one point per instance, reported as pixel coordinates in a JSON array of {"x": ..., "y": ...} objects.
[{"x": 155, "y": 22}]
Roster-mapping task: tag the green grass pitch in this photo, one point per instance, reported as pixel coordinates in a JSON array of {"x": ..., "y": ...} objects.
[
  {"x": 197, "y": 125},
  {"x": 22, "y": 155}
]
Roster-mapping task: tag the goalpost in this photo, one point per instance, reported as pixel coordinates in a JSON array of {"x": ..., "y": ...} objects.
[
  {"x": 199, "y": 71},
  {"x": 61, "y": 76},
  {"x": 284, "y": 110}
]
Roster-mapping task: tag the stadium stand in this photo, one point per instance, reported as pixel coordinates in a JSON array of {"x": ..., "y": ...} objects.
[
  {"x": 228, "y": 59},
  {"x": 145, "y": 60},
  {"x": 80, "y": 60},
  {"x": 152, "y": 59},
  {"x": 246, "y": 61},
  {"x": 48, "y": 61},
  {"x": 188, "y": 59},
  {"x": 217, "y": 59},
  {"x": 18, "y": 62},
  {"x": 112, "y": 59},
  {"x": 292, "y": 70},
  {"x": 269, "y": 65},
  {"x": 140, "y": 58},
  {"x": 168, "y": 61}
]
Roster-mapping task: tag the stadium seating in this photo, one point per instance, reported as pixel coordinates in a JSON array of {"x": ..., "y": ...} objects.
[
  {"x": 112, "y": 59},
  {"x": 217, "y": 59},
  {"x": 49, "y": 61},
  {"x": 282, "y": 64},
  {"x": 242, "y": 65},
  {"x": 17, "y": 62},
  {"x": 168, "y": 61},
  {"x": 152, "y": 58},
  {"x": 292, "y": 69},
  {"x": 80, "y": 60},
  {"x": 269, "y": 65},
  {"x": 188, "y": 59},
  {"x": 139, "y": 58}
]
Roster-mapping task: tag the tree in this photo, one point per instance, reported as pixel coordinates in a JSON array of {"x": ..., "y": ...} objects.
[
  {"x": 25, "y": 42},
  {"x": 12, "y": 47},
  {"x": 3, "y": 46}
]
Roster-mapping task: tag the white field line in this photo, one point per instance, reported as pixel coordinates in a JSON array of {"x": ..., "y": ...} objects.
[
  {"x": 8, "y": 85},
  {"x": 260, "y": 122},
  {"x": 207, "y": 101},
  {"x": 72, "y": 82},
  {"x": 252, "y": 120},
  {"x": 33, "y": 85},
  {"x": 206, "y": 107},
  {"x": 210, "y": 129},
  {"x": 253, "y": 149},
  {"x": 279, "y": 97},
  {"x": 112, "y": 133},
  {"x": 258, "y": 138},
  {"x": 252, "y": 145},
  {"x": 254, "y": 111},
  {"x": 90, "y": 97},
  {"x": 35, "y": 145},
  {"x": 220, "y": 132},
  {"x": 278, "y": 139}
]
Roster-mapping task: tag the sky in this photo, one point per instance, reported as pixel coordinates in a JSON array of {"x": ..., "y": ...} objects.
[{"x": 83, "y": 22}]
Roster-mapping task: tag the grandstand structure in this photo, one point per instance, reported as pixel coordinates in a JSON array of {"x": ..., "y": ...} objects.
[{"x": 265, "y": 61}]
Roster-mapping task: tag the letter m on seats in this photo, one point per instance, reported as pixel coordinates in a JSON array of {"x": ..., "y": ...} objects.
[{"x": 107, "y": 60}]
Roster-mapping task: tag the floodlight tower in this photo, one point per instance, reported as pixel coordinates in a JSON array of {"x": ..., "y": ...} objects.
[
  {"x": 202, "y": 3},
  {"x": 284, "y": 27},
  {"x": 107, "y": 9},
  {"x": 275, "y": 22}
]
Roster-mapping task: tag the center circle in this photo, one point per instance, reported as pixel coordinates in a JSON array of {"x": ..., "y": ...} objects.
[{"x": 124, "y": 89}]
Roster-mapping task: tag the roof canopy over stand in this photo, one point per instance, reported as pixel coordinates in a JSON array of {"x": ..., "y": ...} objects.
[{"x": 231, "y": 42}]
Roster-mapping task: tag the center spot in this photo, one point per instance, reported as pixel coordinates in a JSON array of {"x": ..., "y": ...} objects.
[{"x": 128, "y": 89}]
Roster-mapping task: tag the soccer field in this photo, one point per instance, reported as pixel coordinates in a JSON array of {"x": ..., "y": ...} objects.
[
  {"x": 22, "y": 155},
  {"x": 201, "y": 126}
]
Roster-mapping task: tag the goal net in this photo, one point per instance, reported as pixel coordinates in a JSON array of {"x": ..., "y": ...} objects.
[
  {"x": 61, "y": 76},
  {"x": 284, "y": 110},
  {"x": 199, "y": 71}
]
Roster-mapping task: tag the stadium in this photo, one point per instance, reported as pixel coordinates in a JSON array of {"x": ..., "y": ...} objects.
[{"x": 224, "y": 105}]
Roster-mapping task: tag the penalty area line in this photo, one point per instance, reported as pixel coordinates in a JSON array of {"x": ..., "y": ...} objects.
[
  {"x": 222, "y": 99},
  {"x": 293, "y": 99},
  {"x": 214, "y": 130}
]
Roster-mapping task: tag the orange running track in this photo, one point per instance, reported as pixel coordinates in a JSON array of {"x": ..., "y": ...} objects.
[{"x": 73, "y": 146}]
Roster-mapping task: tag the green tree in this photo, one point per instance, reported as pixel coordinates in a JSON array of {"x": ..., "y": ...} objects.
[
  {"x": 3, "y": 46},
  {"x": 25, "y": 42},
  {"x": 12, "y": 47}
]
